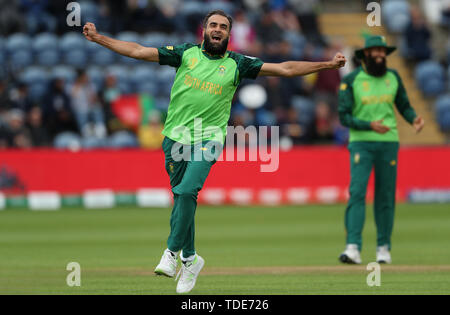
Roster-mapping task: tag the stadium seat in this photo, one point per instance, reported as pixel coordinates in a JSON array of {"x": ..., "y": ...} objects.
[
  {"x": 155, "y": 40},
  {"x": 396, "y": 15},
  {"x": 265, "y": 118},
  {"x": 48, "y": 58},
  {"x": 194, "y": 7},
  {"x": 20, "y": 59},
  {"x": 165, "y": 76},
  {"x": 96, "y": 76},
  {"x": 76, "y": 58},
  {"x": 67, "y": 140},
  {"x": 94, "y": 143},
  {"x": 17, "y": 42},
  {"x": 122, "y": 139},
  {"x": 72, "y": 41},
  {"x": 304, "y": 107},
  {"x": 45, "y": 41},
  {"x": 430, "y": 76},
  {"x": 298, "y": 43},
  {"x": 34, "y": 74},
  {"x": 68, "y": 74},
  {"x": 89, "y": 12},
  {"x": 225, "y": 6},
  {"x": 37, "y": 91},
  {"x": 122, "y": 75},
  {"x": 104, "y": 57}
]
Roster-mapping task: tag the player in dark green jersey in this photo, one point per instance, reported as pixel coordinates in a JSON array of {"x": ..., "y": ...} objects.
[
  {"x": 207, "y": 76},
  {"x": 367, "y": 98}
]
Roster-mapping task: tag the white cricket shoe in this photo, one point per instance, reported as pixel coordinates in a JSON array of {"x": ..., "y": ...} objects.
[
  {"x": 188, "y": 274},
  {"x": 167, "y": 266},
  {"x": 351, "y": 255},
  {"x": 383, "y": 255}
]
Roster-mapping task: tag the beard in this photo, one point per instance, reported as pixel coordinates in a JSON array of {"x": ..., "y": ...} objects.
[
  {"x": 374, "y": 68},
  {"x": 215, "y": 48}
]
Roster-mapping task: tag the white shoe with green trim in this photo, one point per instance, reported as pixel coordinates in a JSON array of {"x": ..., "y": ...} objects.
[
  {"x": 167, "y": 266},
  {"x": 188, "y": 274},
  {"x": 383, "y": 255}
]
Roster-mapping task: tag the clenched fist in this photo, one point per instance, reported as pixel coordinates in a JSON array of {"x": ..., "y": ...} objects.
[
  {"x": 90, "y": 31},
  {"x": 338, "y": 61}
]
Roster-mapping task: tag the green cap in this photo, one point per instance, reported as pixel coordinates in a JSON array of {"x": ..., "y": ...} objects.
[{"x": 374, "y": 41}]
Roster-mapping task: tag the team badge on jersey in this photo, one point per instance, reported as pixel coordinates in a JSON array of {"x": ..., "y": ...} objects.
[
  {"x": 192, "y": 63},
  {"x": 222, "y": 70}
]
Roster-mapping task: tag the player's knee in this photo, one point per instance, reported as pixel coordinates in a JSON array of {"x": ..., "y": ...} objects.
[{"x": 186, "y": 191}]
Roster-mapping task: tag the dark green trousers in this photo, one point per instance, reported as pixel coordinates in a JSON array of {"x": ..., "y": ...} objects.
[
  {"x": 188, "y": 167},
  {"x": 382, "y": 158}
]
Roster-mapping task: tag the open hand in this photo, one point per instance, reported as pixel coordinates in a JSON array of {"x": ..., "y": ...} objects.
[
  {"x": 418, "y": 124},
  {"x": 338, "y": 61},
  {"x": 378, "y": 126},
  {"x": 89, "y": 31}
]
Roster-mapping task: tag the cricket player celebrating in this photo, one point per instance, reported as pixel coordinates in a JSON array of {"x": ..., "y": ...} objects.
[
  {"x": 207, "y": 76},
  {"x": 366, "y": 105}
]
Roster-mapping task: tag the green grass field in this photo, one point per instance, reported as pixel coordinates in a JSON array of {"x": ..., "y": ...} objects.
[{"x": 248, "y": 250}]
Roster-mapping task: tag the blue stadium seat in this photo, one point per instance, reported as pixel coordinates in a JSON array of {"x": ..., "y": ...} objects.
[
  {"x": 155, "y": 40},
  {"x": 123, "y": 77},
  {"x": 20, "y": 59},
  {"x": 17, "y": 42},
  {"x": 396, "y": 15},
  {"x": 304, "y": 107},
  {"x": 149, "y": 87},
  {"x": 104, "y": 57},
  {"x": 122, "y": 139},
  {"x": 48, "y": 58},
  {"x": 76, "y": 58},
  {"x": 37, "y": 91},
  {"x": 67, "y": 140},
  {"x": 298, "y": 43},
  {"x": 96, "y": 76},
  {"x": 45, "y": 41},
  {"x": 89, "y": 12},
  {"x": 72, "y": 41},
  {"x": 194, "y": 7},
  {"x": 35, "y": 74},
  {"x": 144, "y": 73},
  {"x": 265, "y": 118},
  {"x": 430, "y": 76},
  {"x": 68, "y": 74},
  {"x": 165, "y": 76},
  {"x": 225, "y": 6}
]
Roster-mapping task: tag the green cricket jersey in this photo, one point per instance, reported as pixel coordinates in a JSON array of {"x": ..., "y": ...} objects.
[
  {"x": 202, "y": 91},
  {"x": 364, "y": 98}
]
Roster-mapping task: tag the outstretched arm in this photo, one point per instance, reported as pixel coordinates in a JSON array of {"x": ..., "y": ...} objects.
[
  {"x": 299, "y": 68},
  {"x": 128, "y": 49}
]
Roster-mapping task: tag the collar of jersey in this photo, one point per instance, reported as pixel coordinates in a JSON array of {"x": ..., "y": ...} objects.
[{"x": 209, "y": 56}]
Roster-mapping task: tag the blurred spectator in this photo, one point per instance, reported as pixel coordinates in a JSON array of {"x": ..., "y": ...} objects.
[
  {"x": 10, "y": 19},
  {"x": 110, "y": 94},
  {"x": 149, "y": 135},
  {"x": 290, "y": 126},
  {"x": 307, "y": 17},
  {"x": 38, "y": 19},
  {"x": 38, "y": 133},
  {"x": 86, "y": 107},
  {"x": 57, "y": 111},
  {"x": 417, "y": 37},
  {"x": 5, "y": 103},
  {"x": 323, "y": 123},
  {"x": 18, "y": 134},
  {"x": 242, "y": 34},
  {"x": 20, "y": 98}
]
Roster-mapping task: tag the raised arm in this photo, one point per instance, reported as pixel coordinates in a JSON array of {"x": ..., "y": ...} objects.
[
  {"x": 299, "y": 68},
  {"x": 128, "y": 49}
]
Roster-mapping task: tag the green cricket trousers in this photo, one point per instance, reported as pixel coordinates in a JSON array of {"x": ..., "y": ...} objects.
[
  {"x": 382, "y": 157},
  {"x": 187, "y": 166}
]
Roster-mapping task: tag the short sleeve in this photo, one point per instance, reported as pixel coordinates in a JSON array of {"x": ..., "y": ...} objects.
[
  {"x": 249, "y": 67},
  {"x": 172, "y": 55}
]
